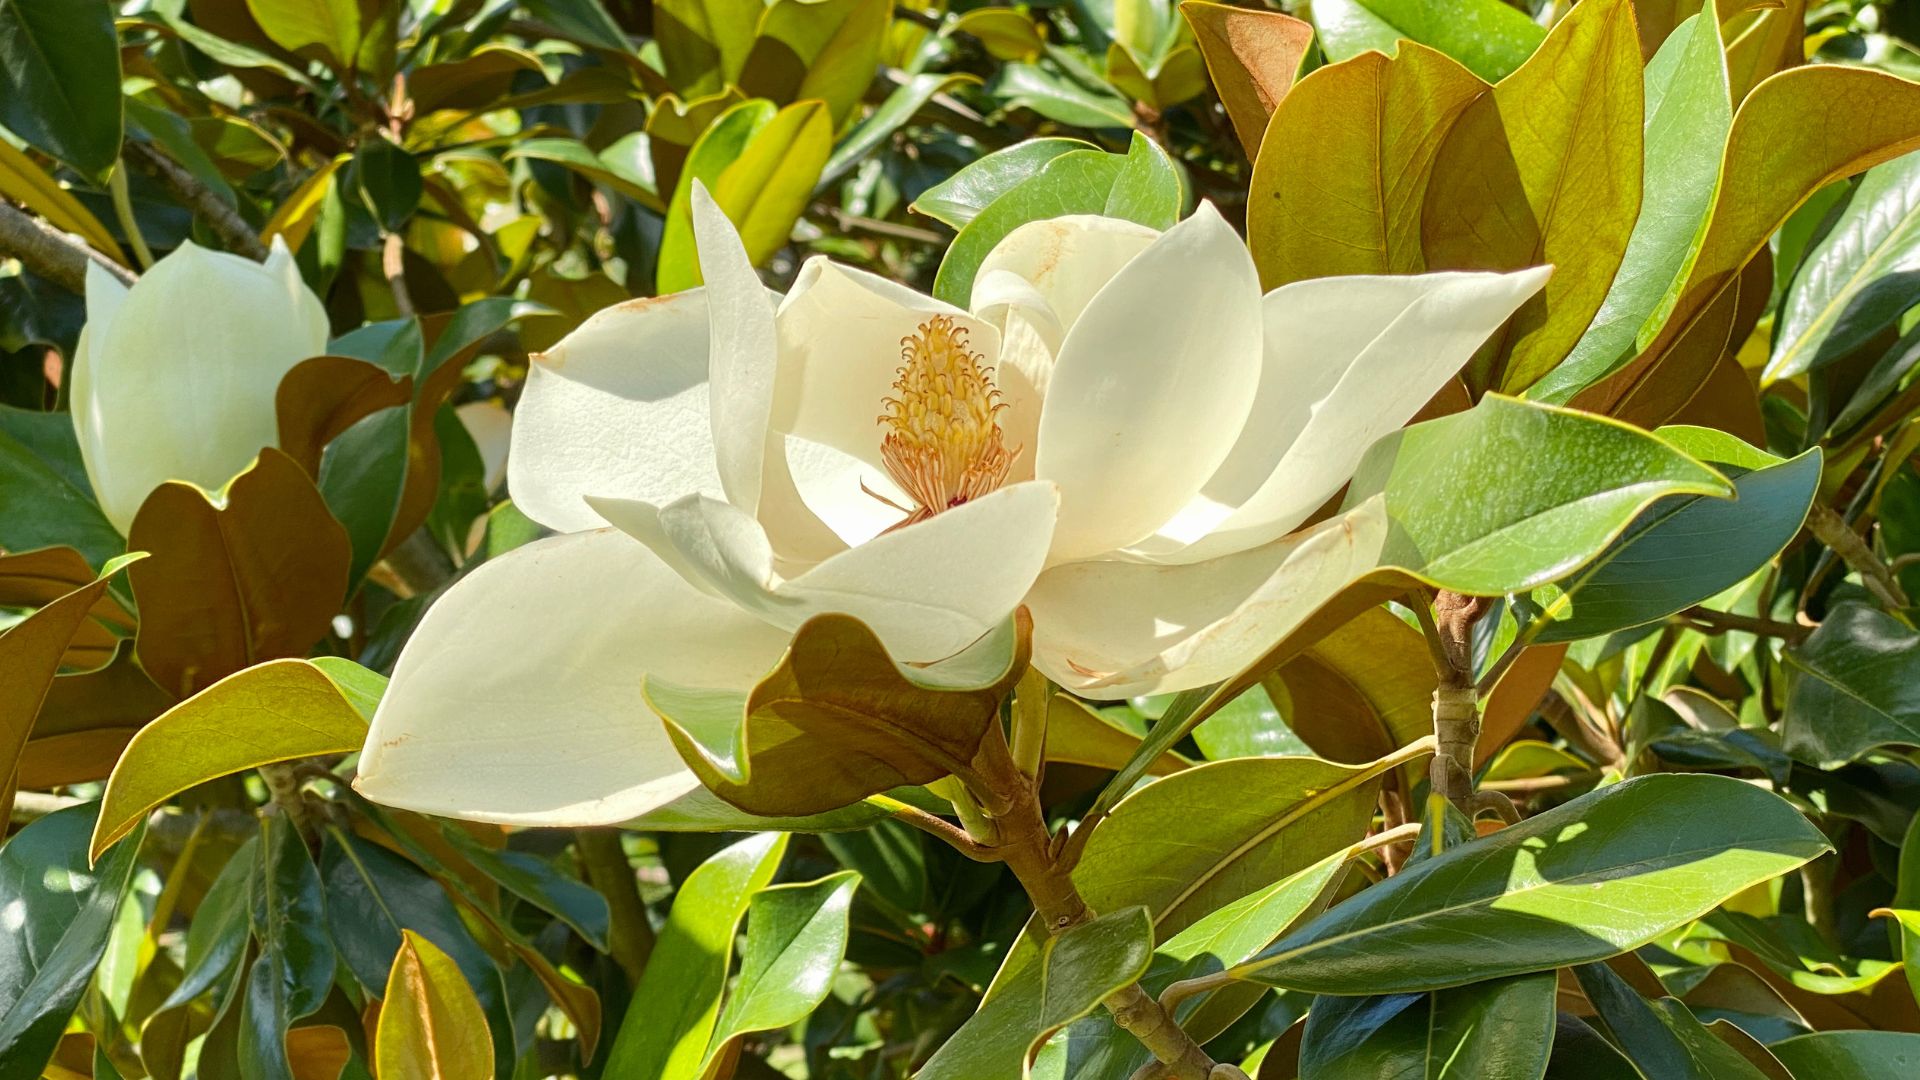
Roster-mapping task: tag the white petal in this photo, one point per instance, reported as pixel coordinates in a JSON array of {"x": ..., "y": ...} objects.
[
  {"x": 840, "y": 339},
  {"x": 1348, "y": 361},
  {"x": 490, "y": 426},
  {"x": 178, "y": 374},
  {"x": 926, "y": 590},
  {"x": 1151, "y": 387},
  {"x": 617, "y": 409},
  {"x": 852, "y": 498},
  {"x": 1110, "y": 630},
  {"x": 1067, "y": 260},
  {"x": 744, "y": 353},
  {"x": 517, "y": 700}
]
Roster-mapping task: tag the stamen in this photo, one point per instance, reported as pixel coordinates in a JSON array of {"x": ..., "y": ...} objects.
[{"x": 943, "y": 445}]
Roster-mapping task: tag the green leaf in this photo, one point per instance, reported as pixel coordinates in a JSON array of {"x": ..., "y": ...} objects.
[
  {"x": 701, "y": 810},
  {"x": 839, "y": 720},
  {"x": 1509, "y": 495},
  {"x": 606, "y": 168},
  {"x": 277, "y": 711},
  {"x": 1663, "y": 1037},
  {"x": 534, "y": 880},
  {"x": 294, "y": 971},
  {"x": 61, "y": 908},
  {"x": 1850, "y": 1053},
  {"x": 44, "y": 486},
  {"x": 796, "y": 938},
  {"x": 431, "y": 1025},
  {"x": 1852, "y": 686},
  {"x": 891, "y": 857},
  {"x": 387, "y": 179},
  {"x": 1060, "y": 97},
  {"x": 1545, "y": 170},
  {"x": 217, "y": 936},
  {"x": 760, "y": 163},
  {"x": 60, "y": 80},
  {"x": 1689, "y": 111},
  {"x": 889, "y": 117},
  {"x": 1498, "y": 1030},
  {"x": 372, "y": 895},
  {"x": 704, "y": 43},
  {"x": 1589, "y": 879},
  {"x": 1096, "y": 1047},
  {"x": 585, "y": 21},
  {"x": 959, "y": 198},
  {"x": 667, "y": 1029},
  {"x": 1075, "y": 973},
  {"x": 1489, "y": 37},
  {"x": 1141, "y": 186},
  {"x": 1316, "y": 207},
  {"x": 1685, "y": 549},
  {"x": 820, "y": 50},
  {"x": 1860, "y": 277}
]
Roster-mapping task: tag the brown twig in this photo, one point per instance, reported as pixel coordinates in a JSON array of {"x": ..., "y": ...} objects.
[
  {"x": 1833, "y": 531},
  {"x": 50, "y": 254},
  {"x": 1708, "y": 621},
  {"x": 186, "y": 189}
]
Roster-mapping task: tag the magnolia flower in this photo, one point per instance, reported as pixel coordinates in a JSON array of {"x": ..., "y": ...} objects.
[
  {"x": 174, "y": 377},
  {"x": 1121, "y": 433}
]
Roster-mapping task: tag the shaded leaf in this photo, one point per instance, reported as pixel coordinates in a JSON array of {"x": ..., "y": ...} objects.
[
  {"x": 796, "y": 937},
  {"x": 60, "y": 81},
  {"x": 1851, "y": 687}
]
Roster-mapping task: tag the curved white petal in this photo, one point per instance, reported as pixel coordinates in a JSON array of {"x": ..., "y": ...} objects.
[
  {"x": 1110, "y": 630},
  {"x": 840, "y": 339},
  {"x": 745, "y": 354},
  {"x": 852, "y": 498},
  {"x": 1067, "y": 261},
  {"x": 926, "y": 590},
  {"x": 618, "y": 409},
  {"x": 1152, "y": 386},
  {"x": 1348, "y": 361},
  {"x": 177, "y": 375},
  {"x": 517, "y": 700}
]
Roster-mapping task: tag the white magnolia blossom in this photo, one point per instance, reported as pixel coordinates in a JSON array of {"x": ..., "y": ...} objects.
[
  {"x": 174, "y": 377},
  {"x": 1122, "y": 433}
]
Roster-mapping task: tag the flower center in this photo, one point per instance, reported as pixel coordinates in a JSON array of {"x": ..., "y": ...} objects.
[{"x": 943, "y": 444}]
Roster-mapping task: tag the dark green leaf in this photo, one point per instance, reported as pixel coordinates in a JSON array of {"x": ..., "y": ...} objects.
[
  {"x": 59, "y": 912},
  {"x": 1499, "y": 1030},
  {"x": 388, "y": 181},
  {"x": 295, "y": 967},
  {"x": 60, "y": 80},
  {"x": 217, "y": 936},
  {"x": 1662, "y": 1037},
  {"x": 1861, "y": 1054},
  {"x": 534, "y": 880},
  {"x": 1852, "y": 686},
  {"x": 45, "y": 489},
  {"x": 796, "y": 938},
  {"x": 1587, "y": 880}
]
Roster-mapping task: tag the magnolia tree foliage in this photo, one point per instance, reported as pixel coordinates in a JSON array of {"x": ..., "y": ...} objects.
[{"x": 867, "y": 540}]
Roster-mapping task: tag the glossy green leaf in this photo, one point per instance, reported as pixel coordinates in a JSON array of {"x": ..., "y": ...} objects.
[
  {"x": 796, "y": 938},
  {"x": 294, "y": 971},
  {"x": 1318, "y": 205},
  {"x": 704, "y": 43},
  {"x": 217, "y": 936},
  {"x": 60, "y": 80},
  {"x": 44, "y": 486},
  {"x": 1860, "y": 277},
  {"x": 819, "y": 50},
  {"x": 1489, "y": 37},
  {"x": 603, "y": 168},
  {"x": 277, "y": 711},
  {"x": 1850, "y": 1053},
  {"x": 891, "y": 857},
  {"x": 61, "y": 907},
  {"x": 1473, "y": 512},
  {"x": 1096, "y": 1047},
  {"x": 387, "y": 180},
  {"x": 891, "y": 115},
  {"x": 1587, "y": 880},
  {"x": 1853, "y": 685},
  {"x": 536, "y": 881},
  {"x": 1545, "y": 170},
  {"x": 1689, "y": 111},
  {"x": 959, "y": 198},
  {"x": 760, "y": 164},
  {"x": 1662, "y": 1037},
  {"x": 668, "y": 1027},
  {"x": 1078, "y": 102},
  {"x": 373, "y": 894},
  {"x": 1685, "y": 549},
  {"x": 1074, "y": 973},
  {"x": 1140, "y": 186},
  {"x": 839, "y": 720},
  {"x": 1497, "y": 1030},
  {"x": 336, "y": 30}
]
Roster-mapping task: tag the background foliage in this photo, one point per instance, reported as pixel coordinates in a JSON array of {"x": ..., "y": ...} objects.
[{"x": 1705, "y": 708}]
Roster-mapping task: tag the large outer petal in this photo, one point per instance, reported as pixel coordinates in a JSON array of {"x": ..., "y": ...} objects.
[
  {"x": 619, "y": 408},
  {"x": 1112, "y": 630},
  {"x": 1151, "y": 387},
  {"x": 177, "y": 375},
  {"x": 1348, "y": 360},
  {"x": 1067, "y": 260},
  {"x": 517, "y": 700},
  {"x": 927, "y": 590},
  {"x": 745, "y": 356}
]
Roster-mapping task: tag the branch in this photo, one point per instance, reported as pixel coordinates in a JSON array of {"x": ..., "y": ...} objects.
[
  {"x": 1833, "y": 531},
  {"x": 51, "y": 254},
  {"x": 186, "y": 189},
  {"x": 630, "y": 936},
  {"x": 1708, "y": 621}
]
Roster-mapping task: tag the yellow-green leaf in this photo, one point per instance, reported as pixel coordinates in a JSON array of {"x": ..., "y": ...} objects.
[
  {"x": 1343, "y": 169},
  {"x": 823, "y": 50},
  {"x": 1546, "y": 170},
  {"x": 431, "y": 1025},
  {"x": 277, "y": 711},
  {"x": 30, "y": 186}
]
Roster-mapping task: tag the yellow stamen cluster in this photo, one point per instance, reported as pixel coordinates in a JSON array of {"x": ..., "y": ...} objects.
[{"x": 943, "y": 444}]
